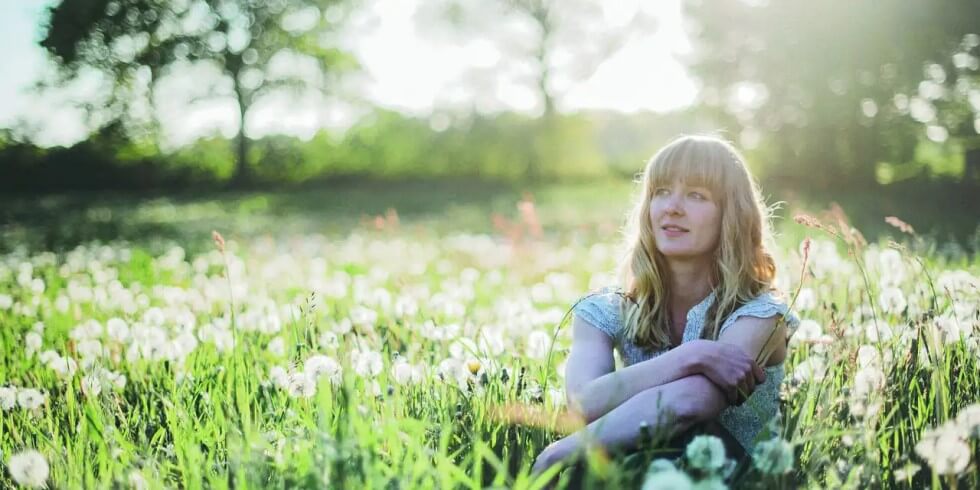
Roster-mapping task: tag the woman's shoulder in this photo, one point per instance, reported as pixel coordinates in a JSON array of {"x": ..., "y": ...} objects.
[
  {"x": 765, "y": 305},
  {"x": 602, "y": 308}
]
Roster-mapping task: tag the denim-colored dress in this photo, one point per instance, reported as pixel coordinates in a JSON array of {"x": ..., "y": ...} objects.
[{"x": 745, "y": 422}]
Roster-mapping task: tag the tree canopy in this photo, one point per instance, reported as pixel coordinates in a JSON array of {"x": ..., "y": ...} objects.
[{"x": 258, "y": 46}]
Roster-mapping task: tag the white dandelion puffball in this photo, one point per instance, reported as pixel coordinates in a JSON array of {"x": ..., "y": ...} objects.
[
  {"x": 29, "y": 468},
  {"x": 299, "y": 384},
  {"x": 661, "y": 464},
  {"x": 706, "y": 453},
  {"x": 968, "y": 420},
  {"x": 319, "y": 365},
  {"x": 773, "y": 457},
  {"x": 8, "y": 397},
  {"x": 29, "y": 398},
  {"x": 538, "y": 344},
  {"x": 277, "y": 347},
  {"x": 667, "y": 480},
  {"x": 367, "y": 363},
  {"x": 945, "y": 450}
]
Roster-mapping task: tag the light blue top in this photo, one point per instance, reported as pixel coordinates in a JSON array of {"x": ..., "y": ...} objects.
[{"x": 603, "y": 310}]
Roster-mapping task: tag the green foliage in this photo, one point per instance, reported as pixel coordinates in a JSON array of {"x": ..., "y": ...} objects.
[
  {"x": 215, "y": 416},
  {"x": 135, "y": 42},
  {"x": 826, "y": 87}
]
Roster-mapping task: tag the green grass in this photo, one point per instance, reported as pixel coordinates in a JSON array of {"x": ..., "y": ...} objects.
[{"x": 302, "y": 262}]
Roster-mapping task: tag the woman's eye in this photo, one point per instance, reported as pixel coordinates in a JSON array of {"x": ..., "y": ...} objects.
[
  {"x": 661, "y": 191},
  {"x": 698, "y": 196}
]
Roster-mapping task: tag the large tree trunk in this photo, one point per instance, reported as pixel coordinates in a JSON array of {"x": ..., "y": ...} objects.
[
  {"x": 241, "y": 175},
  {"x": 541, "y": 15}
]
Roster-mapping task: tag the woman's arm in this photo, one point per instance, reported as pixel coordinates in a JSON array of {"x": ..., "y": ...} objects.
[
  {"x": 668, "y": 410},
  {"x": 593, "y": 388},
  {"x": 672, "y": 407}
]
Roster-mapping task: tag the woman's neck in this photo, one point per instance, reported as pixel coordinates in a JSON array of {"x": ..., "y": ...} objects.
[{"x": 690, "y": 283}]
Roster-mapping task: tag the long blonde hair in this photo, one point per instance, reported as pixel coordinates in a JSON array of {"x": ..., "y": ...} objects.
[{"x": 743, "y": 266}]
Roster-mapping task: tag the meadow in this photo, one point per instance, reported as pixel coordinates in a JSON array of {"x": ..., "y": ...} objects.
[{"x": 370, "y": 339}]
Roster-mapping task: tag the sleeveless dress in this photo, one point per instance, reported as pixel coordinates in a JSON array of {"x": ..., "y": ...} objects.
[{"x": 603, "y": 311}]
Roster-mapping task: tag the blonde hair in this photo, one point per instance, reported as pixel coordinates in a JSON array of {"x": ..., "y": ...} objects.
[{"x": 743, "y": 266}]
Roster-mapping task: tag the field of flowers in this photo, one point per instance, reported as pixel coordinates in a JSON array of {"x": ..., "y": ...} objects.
[{"x": 397, "y": 355}]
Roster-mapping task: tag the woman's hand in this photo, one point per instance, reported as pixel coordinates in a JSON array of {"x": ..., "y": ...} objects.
[
  {"x": 729, "y": 368},
  {"x": 555, "y": 453}
]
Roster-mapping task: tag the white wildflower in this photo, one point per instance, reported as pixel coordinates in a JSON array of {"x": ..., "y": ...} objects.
[
  {"x": 878, "y": 331},
  {"x": 62, "y": 303},
  {"x": 773, "y": 457},
  {"x": 367, "y": 362},
  {"x": 91, "y": 385},
  {"x": 8, "y": 397},
  {"x": 892, "y": 300},
  {"x": 32, "y": 343},
  {"x": 299, "y": 384},
  {"x": 808, "y": 331},
  {"x": 28, "y": 468},
  {"x": 117, "y": 329},
  {"x": 328, "y": 340},
  {"x": 29, "y": 398},
  {"x": 63, "y": 366},
  {"x": 968, "y": 420},
  {"x": 90, "y": 349},
  {"x": 945, "y": 450},
  {"x": 137, "y": 481},
  {"x": 661, "y": 464},
  {"x": 343, "y": 326},
  {"x": 86, "y": 330},
  {"x": 318, "y": 366},
  {"x": 277, "y": 346},
  {"x": 907, "y": 471},
  {"x": 706, "y": 453},
  {"x": 6, "y": 301},
  {"x": 667, "y": 480},
  {"x": 363, "y": 317},
  {"x": 279, "y": 376},
  {"x": 813, "y": 369},
  {"x": 806, "y": 300},
  {"x": 538, "y": 344},
  {"x": 404, "y": 372}
]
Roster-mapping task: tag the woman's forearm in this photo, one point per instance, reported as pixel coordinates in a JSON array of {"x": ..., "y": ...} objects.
[
  {"x": 667, "y": 410},
  {"x": 607, "y": 392}
]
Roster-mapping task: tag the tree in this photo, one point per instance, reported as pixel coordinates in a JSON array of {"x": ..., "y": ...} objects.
[
  {"x": 820, "y": 83},
  {"x": 134, "y": 43},
  {"x": 546, "y": 44}
]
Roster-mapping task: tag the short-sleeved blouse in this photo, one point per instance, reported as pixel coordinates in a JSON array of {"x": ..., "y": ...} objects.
[{"x": 603, "y": 310}]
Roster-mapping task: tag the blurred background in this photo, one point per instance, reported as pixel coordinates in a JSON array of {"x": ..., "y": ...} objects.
[{"x": 131, "y": 118}]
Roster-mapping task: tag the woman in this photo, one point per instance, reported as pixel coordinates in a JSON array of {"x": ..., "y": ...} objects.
[{"x": 696, "y": 321}]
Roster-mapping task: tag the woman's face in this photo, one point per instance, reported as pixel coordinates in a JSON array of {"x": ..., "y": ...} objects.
[{"x": 686, "y": 220}]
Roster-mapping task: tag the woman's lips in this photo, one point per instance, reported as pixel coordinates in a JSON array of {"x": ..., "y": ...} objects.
[{"x": 673, "y": 231}]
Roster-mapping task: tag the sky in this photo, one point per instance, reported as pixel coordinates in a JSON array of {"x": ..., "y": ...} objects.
[{"x": 405, "y": 68}]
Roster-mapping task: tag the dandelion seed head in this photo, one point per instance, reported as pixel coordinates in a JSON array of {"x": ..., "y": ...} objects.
[
  {"x": 8, "y": 397},
  {"x": 300, "y": 385},
  {"x": 968, "y": 420},
  {"x": 705, "y": 452},
  {"x": 773, "y": 457},
  {"x": 667, "y": 480},
  {"x": 892, "y": 300},
  {"x": 946, "y": 452},
  {"x": 28, "y": 468},
  {"x": 538, "y": 344},
  {"x": 318, "y": 366}
]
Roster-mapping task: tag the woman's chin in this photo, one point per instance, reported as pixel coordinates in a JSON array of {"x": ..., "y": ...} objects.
[{"x": 683, "y": 254}]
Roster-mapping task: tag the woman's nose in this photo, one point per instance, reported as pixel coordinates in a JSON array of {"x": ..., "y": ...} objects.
[{"x": 674, "y": 205}]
